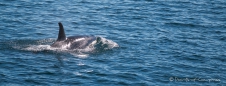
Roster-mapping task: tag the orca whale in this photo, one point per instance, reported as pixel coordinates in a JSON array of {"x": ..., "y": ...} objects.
[{"x": 72, "y": 42}]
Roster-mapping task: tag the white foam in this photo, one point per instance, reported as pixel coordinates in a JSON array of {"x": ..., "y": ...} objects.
[
  {"x": 80, "y": 55},
  {"x": 38, "y": 48},
  {"x": 110, "y": 44}
]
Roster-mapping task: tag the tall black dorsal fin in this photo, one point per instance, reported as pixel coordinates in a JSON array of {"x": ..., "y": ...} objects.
[{"x": 61, "y": 35}]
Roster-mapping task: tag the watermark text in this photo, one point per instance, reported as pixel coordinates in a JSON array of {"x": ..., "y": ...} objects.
[{"x": 185, "y": 79}]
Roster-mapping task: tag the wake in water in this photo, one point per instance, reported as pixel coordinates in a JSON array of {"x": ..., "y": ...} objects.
[{"x": 99, "y": 45}]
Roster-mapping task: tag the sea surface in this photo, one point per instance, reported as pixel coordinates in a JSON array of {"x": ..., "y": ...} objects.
[{"x": 161, "y": 42}]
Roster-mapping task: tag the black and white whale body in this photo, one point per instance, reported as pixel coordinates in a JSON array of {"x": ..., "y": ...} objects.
[{"x": 72, "y": 42}]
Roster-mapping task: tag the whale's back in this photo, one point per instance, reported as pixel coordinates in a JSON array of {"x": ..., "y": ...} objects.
[
  {"x": 75, "y": 42},
  {"x": 80, "y": 42}
]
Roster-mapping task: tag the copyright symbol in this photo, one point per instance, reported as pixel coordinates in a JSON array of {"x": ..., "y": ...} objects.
[{"x": 171, "y": 79}]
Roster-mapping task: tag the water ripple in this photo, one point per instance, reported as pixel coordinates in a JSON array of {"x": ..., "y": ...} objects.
[{"x": 158, "y": 40}]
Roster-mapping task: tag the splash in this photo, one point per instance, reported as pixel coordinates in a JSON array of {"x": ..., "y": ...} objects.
[{"x": 99, "y": 45}]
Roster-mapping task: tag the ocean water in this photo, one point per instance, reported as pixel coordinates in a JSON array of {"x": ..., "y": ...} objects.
[{"x": 161, "y": 42}]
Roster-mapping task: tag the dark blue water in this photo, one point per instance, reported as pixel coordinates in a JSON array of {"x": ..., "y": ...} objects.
[{"x": 162, "y": 42}]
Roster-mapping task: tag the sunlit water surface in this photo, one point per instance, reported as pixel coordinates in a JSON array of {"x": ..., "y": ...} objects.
[{"x": 161, "y": 42}]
